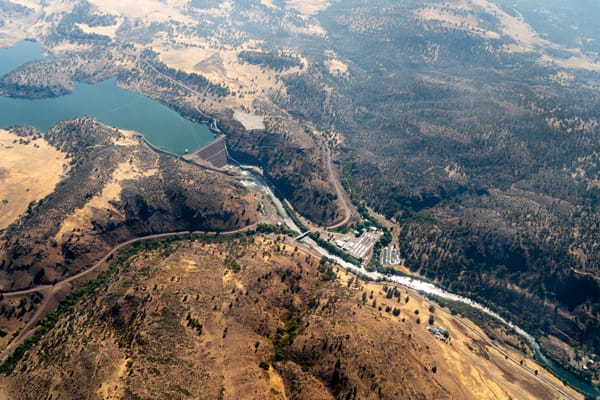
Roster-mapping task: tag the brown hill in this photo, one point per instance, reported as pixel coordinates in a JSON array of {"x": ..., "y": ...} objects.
[
  {"x": 116, "y": 188},
  {"x": 255, "y": 317}
]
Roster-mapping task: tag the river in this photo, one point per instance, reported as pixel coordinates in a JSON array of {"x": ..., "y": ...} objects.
[
  {"x": 162, "y": 126},
  {"x": 165, "y": 128},
  {"x": 255, "y": 182},
  {"x": 430, "y": 289}
]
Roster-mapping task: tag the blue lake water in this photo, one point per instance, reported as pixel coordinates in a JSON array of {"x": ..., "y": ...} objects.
[
  {"x": 18, "y": 55},
  {"x": 108, "y": 103}
]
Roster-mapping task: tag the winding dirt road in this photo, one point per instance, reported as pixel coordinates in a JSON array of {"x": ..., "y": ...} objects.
[{"x": 50, "y": 291}]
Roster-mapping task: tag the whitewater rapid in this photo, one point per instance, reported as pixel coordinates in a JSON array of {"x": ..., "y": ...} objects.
[
  {"x": 428, "y": 289},
  {"x": 255, "y": 182}
]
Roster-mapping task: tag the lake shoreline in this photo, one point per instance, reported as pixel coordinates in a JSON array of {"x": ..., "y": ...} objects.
[{"x": 106, "y": 101}]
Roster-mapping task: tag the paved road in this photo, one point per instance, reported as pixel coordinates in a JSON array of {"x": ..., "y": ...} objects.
[
  {"x": 41, "y": 288},
  {"x": 490, "y": 343},
  {"x": 333, "y": 177},
  {"x": 319, "y": 252},
  {"x": 340, "y": 193}
]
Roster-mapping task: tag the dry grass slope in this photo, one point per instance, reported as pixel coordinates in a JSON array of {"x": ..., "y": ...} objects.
[
  {"x": 30, "y": 168},
  {"x": 116, "y": 188},
  {"x": 255, "y": 317}
]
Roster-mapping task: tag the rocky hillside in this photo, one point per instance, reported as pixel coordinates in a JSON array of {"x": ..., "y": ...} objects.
[
  {"x": 256, "y": 317},
  {"x": 116, "y": 188}
]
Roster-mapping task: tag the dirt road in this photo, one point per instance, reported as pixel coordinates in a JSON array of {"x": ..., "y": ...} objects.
[{"x": 49, "y": 291}]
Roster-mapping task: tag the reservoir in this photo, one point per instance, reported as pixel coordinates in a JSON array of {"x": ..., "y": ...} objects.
[{"x": 105, "y": 101}]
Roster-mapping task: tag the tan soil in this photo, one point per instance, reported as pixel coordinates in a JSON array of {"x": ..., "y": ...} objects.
[
  {"x": 82, "y": 218},
  {"x": 28, "y": 172},
  {"x": 147, "y": 10},
  {"x": 249, "y": 121},
  {"x": 110, "y": 30},
  {"x": 240, "y": 310},
  {"x": 308, "y": 7}
]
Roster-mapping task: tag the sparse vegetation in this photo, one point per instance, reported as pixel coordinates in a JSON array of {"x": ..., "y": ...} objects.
[
  {"x": 484, "y": 158},
  {"x": 194, "y": 324}
]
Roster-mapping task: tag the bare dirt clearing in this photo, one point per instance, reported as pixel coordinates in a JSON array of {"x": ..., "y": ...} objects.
[
  {"x": 109, "y": 30},
  {"x": 147, "y": 10},
  {"x": 249, "y": 121},
  {"x": 308, "y": 7},
  {"x": 336, "y": 67}
]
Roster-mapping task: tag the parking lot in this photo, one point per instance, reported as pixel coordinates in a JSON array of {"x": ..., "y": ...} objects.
[{"x": 357, "y": 247}]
